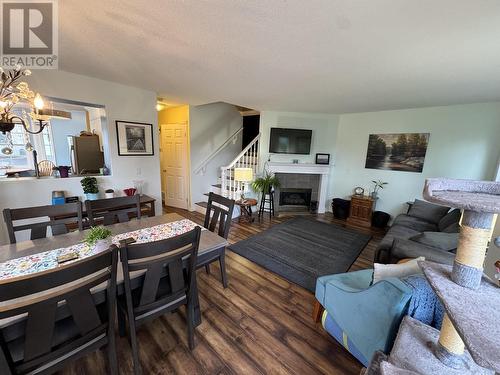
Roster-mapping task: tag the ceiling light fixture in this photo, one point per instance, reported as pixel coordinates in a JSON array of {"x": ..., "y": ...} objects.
[{"x": 14, "y": 93}]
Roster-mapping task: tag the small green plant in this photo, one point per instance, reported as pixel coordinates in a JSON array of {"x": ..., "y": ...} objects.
[
  {"x": 379, "y": 184},
  {"x": 89, "y": 185},
  {"x": 95, "y": 234},
  {"x": 266, "y": 183}
]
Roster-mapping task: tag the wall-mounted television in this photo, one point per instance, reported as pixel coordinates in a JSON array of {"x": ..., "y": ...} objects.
[{"x": 290, "y": 141}]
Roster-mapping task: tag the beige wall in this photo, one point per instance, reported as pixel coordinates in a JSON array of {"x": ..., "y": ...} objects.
[{"x": 174, "y": 115}]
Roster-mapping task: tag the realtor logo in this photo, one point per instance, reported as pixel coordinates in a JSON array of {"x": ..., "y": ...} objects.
[{"x": 29, "y": 34}]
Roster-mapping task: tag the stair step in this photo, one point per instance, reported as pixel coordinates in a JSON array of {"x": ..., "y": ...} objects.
[
  {"x": 414, "y": 351},
  {"x": 474, "y": 313},
  {"x": 220, "y": 187}
]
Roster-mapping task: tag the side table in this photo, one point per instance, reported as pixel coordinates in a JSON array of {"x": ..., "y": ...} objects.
[{"x": 246, "y": 209}]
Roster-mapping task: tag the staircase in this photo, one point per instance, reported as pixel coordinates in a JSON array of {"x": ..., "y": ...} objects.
[{"x": 226, "y": 184}]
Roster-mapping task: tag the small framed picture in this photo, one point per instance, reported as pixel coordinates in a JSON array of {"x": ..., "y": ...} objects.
[
  {"x": 322, "y": 158},
  {"x": 134, "y": 138}
]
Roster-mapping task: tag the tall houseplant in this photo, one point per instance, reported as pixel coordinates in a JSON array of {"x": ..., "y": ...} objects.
[
  {"x": 265, "y": 184},
  {"x": 90, "y": 188}
]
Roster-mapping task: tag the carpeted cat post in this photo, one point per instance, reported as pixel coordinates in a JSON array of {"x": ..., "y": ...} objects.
[{"x": 469, "y": 340}]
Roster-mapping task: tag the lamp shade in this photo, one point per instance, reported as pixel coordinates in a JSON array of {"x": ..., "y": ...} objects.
[{"x": 243, "y": 174}]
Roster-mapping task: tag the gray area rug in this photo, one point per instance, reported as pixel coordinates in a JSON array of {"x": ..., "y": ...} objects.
[{"x": 303, "y": 249}]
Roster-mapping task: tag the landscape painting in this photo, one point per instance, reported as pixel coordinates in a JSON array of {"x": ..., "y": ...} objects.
[{"x": 397, "y": 152}]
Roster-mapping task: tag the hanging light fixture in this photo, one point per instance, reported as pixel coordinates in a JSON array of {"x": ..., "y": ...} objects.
[{"x": 15, "y": 93}]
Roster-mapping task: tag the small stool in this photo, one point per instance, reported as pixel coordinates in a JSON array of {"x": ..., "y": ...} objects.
[
  {"x": 246, "y": 209},
  {"x": 269, "y": 201}
]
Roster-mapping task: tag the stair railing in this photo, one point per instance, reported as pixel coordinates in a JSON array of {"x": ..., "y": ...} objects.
[
  {"x": 232, "y": 139},
  {"x": 247, "y": 158}
]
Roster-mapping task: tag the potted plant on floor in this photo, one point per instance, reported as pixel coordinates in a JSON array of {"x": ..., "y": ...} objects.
[
  {"x": 265, "y": 184},
  {"x": 98, "y": 238},
  {"x": 379, "y": 184},
  {"x": 90, "y": 188}
]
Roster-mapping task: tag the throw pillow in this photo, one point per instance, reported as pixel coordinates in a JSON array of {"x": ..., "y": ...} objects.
[
  {"x": 450, "y": 218},
  {"x": 439, "y": 240},
  {"x": 428, "y": 211},
  {"x": 384, "y": 271}
]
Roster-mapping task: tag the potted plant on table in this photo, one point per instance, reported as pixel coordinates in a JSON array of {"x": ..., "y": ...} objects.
[
  {"x": 98, "y": 237},
  {"x": 90, "y": 188},
  {"x": 379, "y": 184}
]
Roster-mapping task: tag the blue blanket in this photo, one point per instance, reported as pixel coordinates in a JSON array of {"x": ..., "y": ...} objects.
[{"x": 424, "y": 304}]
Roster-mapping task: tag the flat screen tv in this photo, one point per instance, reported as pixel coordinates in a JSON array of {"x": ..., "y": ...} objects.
[{"x": 290, "y": 141}]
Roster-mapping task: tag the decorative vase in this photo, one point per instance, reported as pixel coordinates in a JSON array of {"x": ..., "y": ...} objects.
[
  {"x": 63, "y": 171},
  {"x": 102, "y": 245},
  {"x": 109, "y": 195},
  {"x": 374, "y": 195},
  {"x": 91, "y": 196}
]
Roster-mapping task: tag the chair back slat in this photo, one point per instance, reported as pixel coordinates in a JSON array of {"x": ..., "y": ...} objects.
[
  {"x": 84, "y": 313},
  {"x": 171, "y": 260},
  {"x": 39, "y": 330},
  {"x": 67, "y": 294},
  {"x": 113, "y": 210},
  {"x": 58, "y": 216},
  {"x": 219, "y": 214}
]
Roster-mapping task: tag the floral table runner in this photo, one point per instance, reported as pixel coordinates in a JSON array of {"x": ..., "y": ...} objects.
[{"x": 48, "y": 259}]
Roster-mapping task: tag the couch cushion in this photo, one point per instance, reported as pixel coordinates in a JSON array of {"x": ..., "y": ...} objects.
[
  {"x": 450, "y": 218},
  {"x": 396, "y": 231},
  {"x": 439, "y": 240},
  {"x": 428, "y": 211},
  {"x": 414, "y": 223},
  {"x": 411, "y": 249}
]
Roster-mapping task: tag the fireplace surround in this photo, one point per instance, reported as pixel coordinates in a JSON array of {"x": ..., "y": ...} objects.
[{"x": 316, "y": 172}]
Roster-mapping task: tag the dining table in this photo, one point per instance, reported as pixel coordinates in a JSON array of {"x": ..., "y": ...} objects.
[{"x": 209, "y": 242}]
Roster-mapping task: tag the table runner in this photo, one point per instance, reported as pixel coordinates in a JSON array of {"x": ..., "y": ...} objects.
[{"x": 48, "y": 259}]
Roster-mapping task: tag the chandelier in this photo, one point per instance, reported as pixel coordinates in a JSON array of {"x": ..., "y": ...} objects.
[{"x": 15, "y": 94}]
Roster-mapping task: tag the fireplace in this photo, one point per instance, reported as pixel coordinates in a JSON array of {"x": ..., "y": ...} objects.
[{"x": 295, "y": 197}]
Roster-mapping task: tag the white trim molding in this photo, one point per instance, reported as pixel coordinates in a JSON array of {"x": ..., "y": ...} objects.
[{"x": 322, "y": 170}]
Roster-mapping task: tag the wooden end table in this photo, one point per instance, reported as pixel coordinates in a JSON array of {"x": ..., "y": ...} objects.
[{"x": 246, "y": 209}]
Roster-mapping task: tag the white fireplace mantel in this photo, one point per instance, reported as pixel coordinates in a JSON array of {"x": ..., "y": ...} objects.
[{"x": 320, "y": 169}]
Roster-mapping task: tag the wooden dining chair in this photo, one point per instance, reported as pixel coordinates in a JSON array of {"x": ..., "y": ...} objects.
[
  {"x": 58, "y": 216},
  {"x": 169, "y": 282},
  {"x": 113, "y": 210},
  {"x": 69, "y": 312},
  {"x": 46, "y": 168},
  {"x": 218, "y": 218}
]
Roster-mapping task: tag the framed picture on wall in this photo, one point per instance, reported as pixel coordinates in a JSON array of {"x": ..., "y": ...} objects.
[
  {"x": 134, "y": 138},
  {"x": 322, "y": 158},
  {"x": 397, "y": 152}
]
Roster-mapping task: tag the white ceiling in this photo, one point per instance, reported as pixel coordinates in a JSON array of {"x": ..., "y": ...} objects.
[{"x": 332, "y": 56}]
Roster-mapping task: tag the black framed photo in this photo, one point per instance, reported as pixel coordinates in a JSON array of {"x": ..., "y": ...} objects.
[
  {"x": 322, "y": 158},
  {"x": 134, "y": 138}
]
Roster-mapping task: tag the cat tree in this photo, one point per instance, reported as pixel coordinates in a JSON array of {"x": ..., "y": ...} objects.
[{"x": 469, "y": 340}]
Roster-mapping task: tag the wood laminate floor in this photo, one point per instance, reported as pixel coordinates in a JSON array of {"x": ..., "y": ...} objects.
[{"x": 260, "y": 324}]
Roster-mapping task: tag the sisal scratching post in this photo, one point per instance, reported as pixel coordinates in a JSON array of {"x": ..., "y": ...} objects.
[
  {"x": 479, "y": 200},
  {"x": 474, "y": 236}
]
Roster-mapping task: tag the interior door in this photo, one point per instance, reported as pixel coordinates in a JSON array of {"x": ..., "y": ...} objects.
[{"x": 175, "y": 164}]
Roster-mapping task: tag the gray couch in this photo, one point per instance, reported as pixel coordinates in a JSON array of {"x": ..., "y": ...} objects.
[{"x": 427, "y": 230}]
